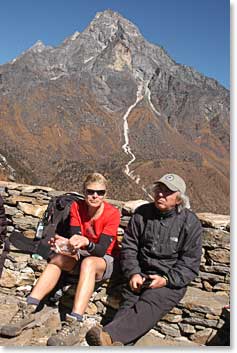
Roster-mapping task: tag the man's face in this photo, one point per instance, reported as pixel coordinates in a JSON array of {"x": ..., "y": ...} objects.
[{"x": 165, "y": 199}]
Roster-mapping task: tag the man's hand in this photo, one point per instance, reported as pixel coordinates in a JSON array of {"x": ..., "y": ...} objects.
[
  {"x": 136, "y": 282},
  {"x": 157, "y": 281},
  {"x": 78, "y": 241}
]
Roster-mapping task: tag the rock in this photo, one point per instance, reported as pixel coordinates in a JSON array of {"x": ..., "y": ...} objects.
[
  {"x": 10, "y": 185},
  {"x": 13, "y": 200},
  {"x": 24, "y": 279},
  {"x": 216, "y": 269},
  {"x": 169, "y": 329},
  {"x": 222, "y": 286},
  {"x": 12, "y": 192},
  {"x": 116, "y": 203},
  {"x": 91, "y": 309},
  {"x": 20, "y": 341},
  {"x": 30, "y": 188},
  {"x": 37, "y": 265},
  {"x": 212, "y": 278},
  {"x": 10, "y": 310},
  {"x": 130, "y": 206},
  {"x": 29, "y": 233},
  {"x": 186, "y": 328},
  {"x": 212, "y": 317},
  {"x": 208, "y": 287},
  {"x": 204, "y": 302},
  {"x": 172, "y": 318},
  {"x": 32, "y": 210},
  {"x": 202, "y": 307},
  {"x": 8, "y": 279},
  {"x": 215, "y": 238},
  {"x": 24, "y": 289},
  {"x": 151, "y": 340},
  {"x": 201, "y": 337},
  {"x": 214, "y": 220},
  {"x": 12, "y": 278},
  {"x": 176, "y": 311},
  {"x": 220, "y": 255},
  {"x": 12, "y": 211},
  {"x": 200, "y": 321},
  {"x": 100, "y": 307},
  {"x": 26, "y": 222}
]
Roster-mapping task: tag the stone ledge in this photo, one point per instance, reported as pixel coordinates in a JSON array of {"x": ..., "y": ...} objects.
[{"x": 199, "y": 317}]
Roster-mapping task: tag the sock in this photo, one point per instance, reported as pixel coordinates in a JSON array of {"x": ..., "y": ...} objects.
[
  {"x": 79, "y": 317},
  {"x": 31, "y": 300}
]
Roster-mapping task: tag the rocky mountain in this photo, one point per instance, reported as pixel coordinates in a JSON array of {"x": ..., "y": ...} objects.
[{"x": 108, "y": 100}]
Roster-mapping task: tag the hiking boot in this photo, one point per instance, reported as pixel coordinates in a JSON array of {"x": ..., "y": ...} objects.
[
  {"x": 24, "y": 316},
  {"x": 97, "y": 337},
  {"x": 68, "y": 335}
]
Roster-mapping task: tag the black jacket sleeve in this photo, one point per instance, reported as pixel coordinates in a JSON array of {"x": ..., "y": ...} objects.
[
  {"x": 188, "y": 263},
  {"x": 130, "y": 247}
]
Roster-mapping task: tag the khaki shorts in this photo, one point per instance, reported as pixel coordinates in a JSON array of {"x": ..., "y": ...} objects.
[{"x": 112, "y": 264}]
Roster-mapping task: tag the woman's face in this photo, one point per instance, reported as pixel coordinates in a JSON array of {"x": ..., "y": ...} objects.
[{"x": 94, "y": 194}]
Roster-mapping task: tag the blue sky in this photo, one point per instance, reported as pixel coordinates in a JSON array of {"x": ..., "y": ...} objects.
[{"x": 193, "y": 32}]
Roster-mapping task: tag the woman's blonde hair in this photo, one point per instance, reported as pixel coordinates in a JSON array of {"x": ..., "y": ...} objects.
[{"x": 94, "y": 178}]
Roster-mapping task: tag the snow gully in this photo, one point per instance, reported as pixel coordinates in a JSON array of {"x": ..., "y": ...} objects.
[{"x": 126, "y": 147}]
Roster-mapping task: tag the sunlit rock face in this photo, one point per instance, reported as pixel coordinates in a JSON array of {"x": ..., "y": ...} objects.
[{"x": 108, "y": 100}]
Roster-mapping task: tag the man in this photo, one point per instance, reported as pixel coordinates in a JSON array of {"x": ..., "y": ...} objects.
[{"x": 160, "y": 256}]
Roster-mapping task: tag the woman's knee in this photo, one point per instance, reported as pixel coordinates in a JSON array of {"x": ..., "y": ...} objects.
[
  {"x": 65, "y": 263},
  {"x": 90, "y": 263}
]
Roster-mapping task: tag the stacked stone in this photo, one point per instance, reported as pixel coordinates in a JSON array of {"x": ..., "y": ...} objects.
[
  {"x": 202, "y": 317},
  {"x": 25, "y": 205}
]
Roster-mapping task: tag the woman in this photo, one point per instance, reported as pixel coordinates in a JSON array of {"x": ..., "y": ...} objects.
[{"x": 91, "y": 249}]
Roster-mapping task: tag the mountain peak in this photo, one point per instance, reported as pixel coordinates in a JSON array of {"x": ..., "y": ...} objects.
[
  {"x": 113, "y": 21},
  {"x": 38, "y": 47},
  {"x": 109, "y": 100}
]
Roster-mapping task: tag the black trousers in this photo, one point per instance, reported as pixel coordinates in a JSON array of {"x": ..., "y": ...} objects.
[{"x": 139, "y": 313}]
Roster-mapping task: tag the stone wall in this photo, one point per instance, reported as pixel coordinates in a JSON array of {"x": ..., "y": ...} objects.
[{"x": 202, "y": 317}]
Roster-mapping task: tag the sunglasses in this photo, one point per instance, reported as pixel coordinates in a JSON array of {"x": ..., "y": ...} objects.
[
  {"x": 98, "y": 192},
  {"x": 160, "y": 188}
]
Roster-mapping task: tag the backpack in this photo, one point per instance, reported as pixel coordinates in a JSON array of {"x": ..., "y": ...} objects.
[{"x": 56, "y": 219}]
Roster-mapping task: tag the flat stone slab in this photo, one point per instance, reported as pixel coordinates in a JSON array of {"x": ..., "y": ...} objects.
[
  {"x": 204, "y": 302},
  {"x": 151, "y": 340},
  {"x": 24, "y": 187},
  {"x": 129, "y": 207},
  {"x": 218, "y": 221}
]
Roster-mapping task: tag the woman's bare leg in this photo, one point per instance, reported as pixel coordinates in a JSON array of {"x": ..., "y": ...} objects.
[
  {"x": 92, "y": 268},
  {"x": 51, "y": 274}
]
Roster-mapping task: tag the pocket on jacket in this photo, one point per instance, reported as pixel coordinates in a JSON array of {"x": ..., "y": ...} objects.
[{"x": 167, "y": 249}]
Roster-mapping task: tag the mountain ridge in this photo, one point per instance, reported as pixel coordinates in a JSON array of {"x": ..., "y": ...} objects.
[{"x": 109, "y": 100}]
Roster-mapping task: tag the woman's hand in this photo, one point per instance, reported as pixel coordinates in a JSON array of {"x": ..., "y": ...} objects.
[
  {"x": 78, "y": 241},
  {"x": 56, "y": 239},
  {"x": 61, "y": 245}
]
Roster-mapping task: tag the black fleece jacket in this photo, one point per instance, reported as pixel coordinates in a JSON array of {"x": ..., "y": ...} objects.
[{"x": 168, "y": 244}]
